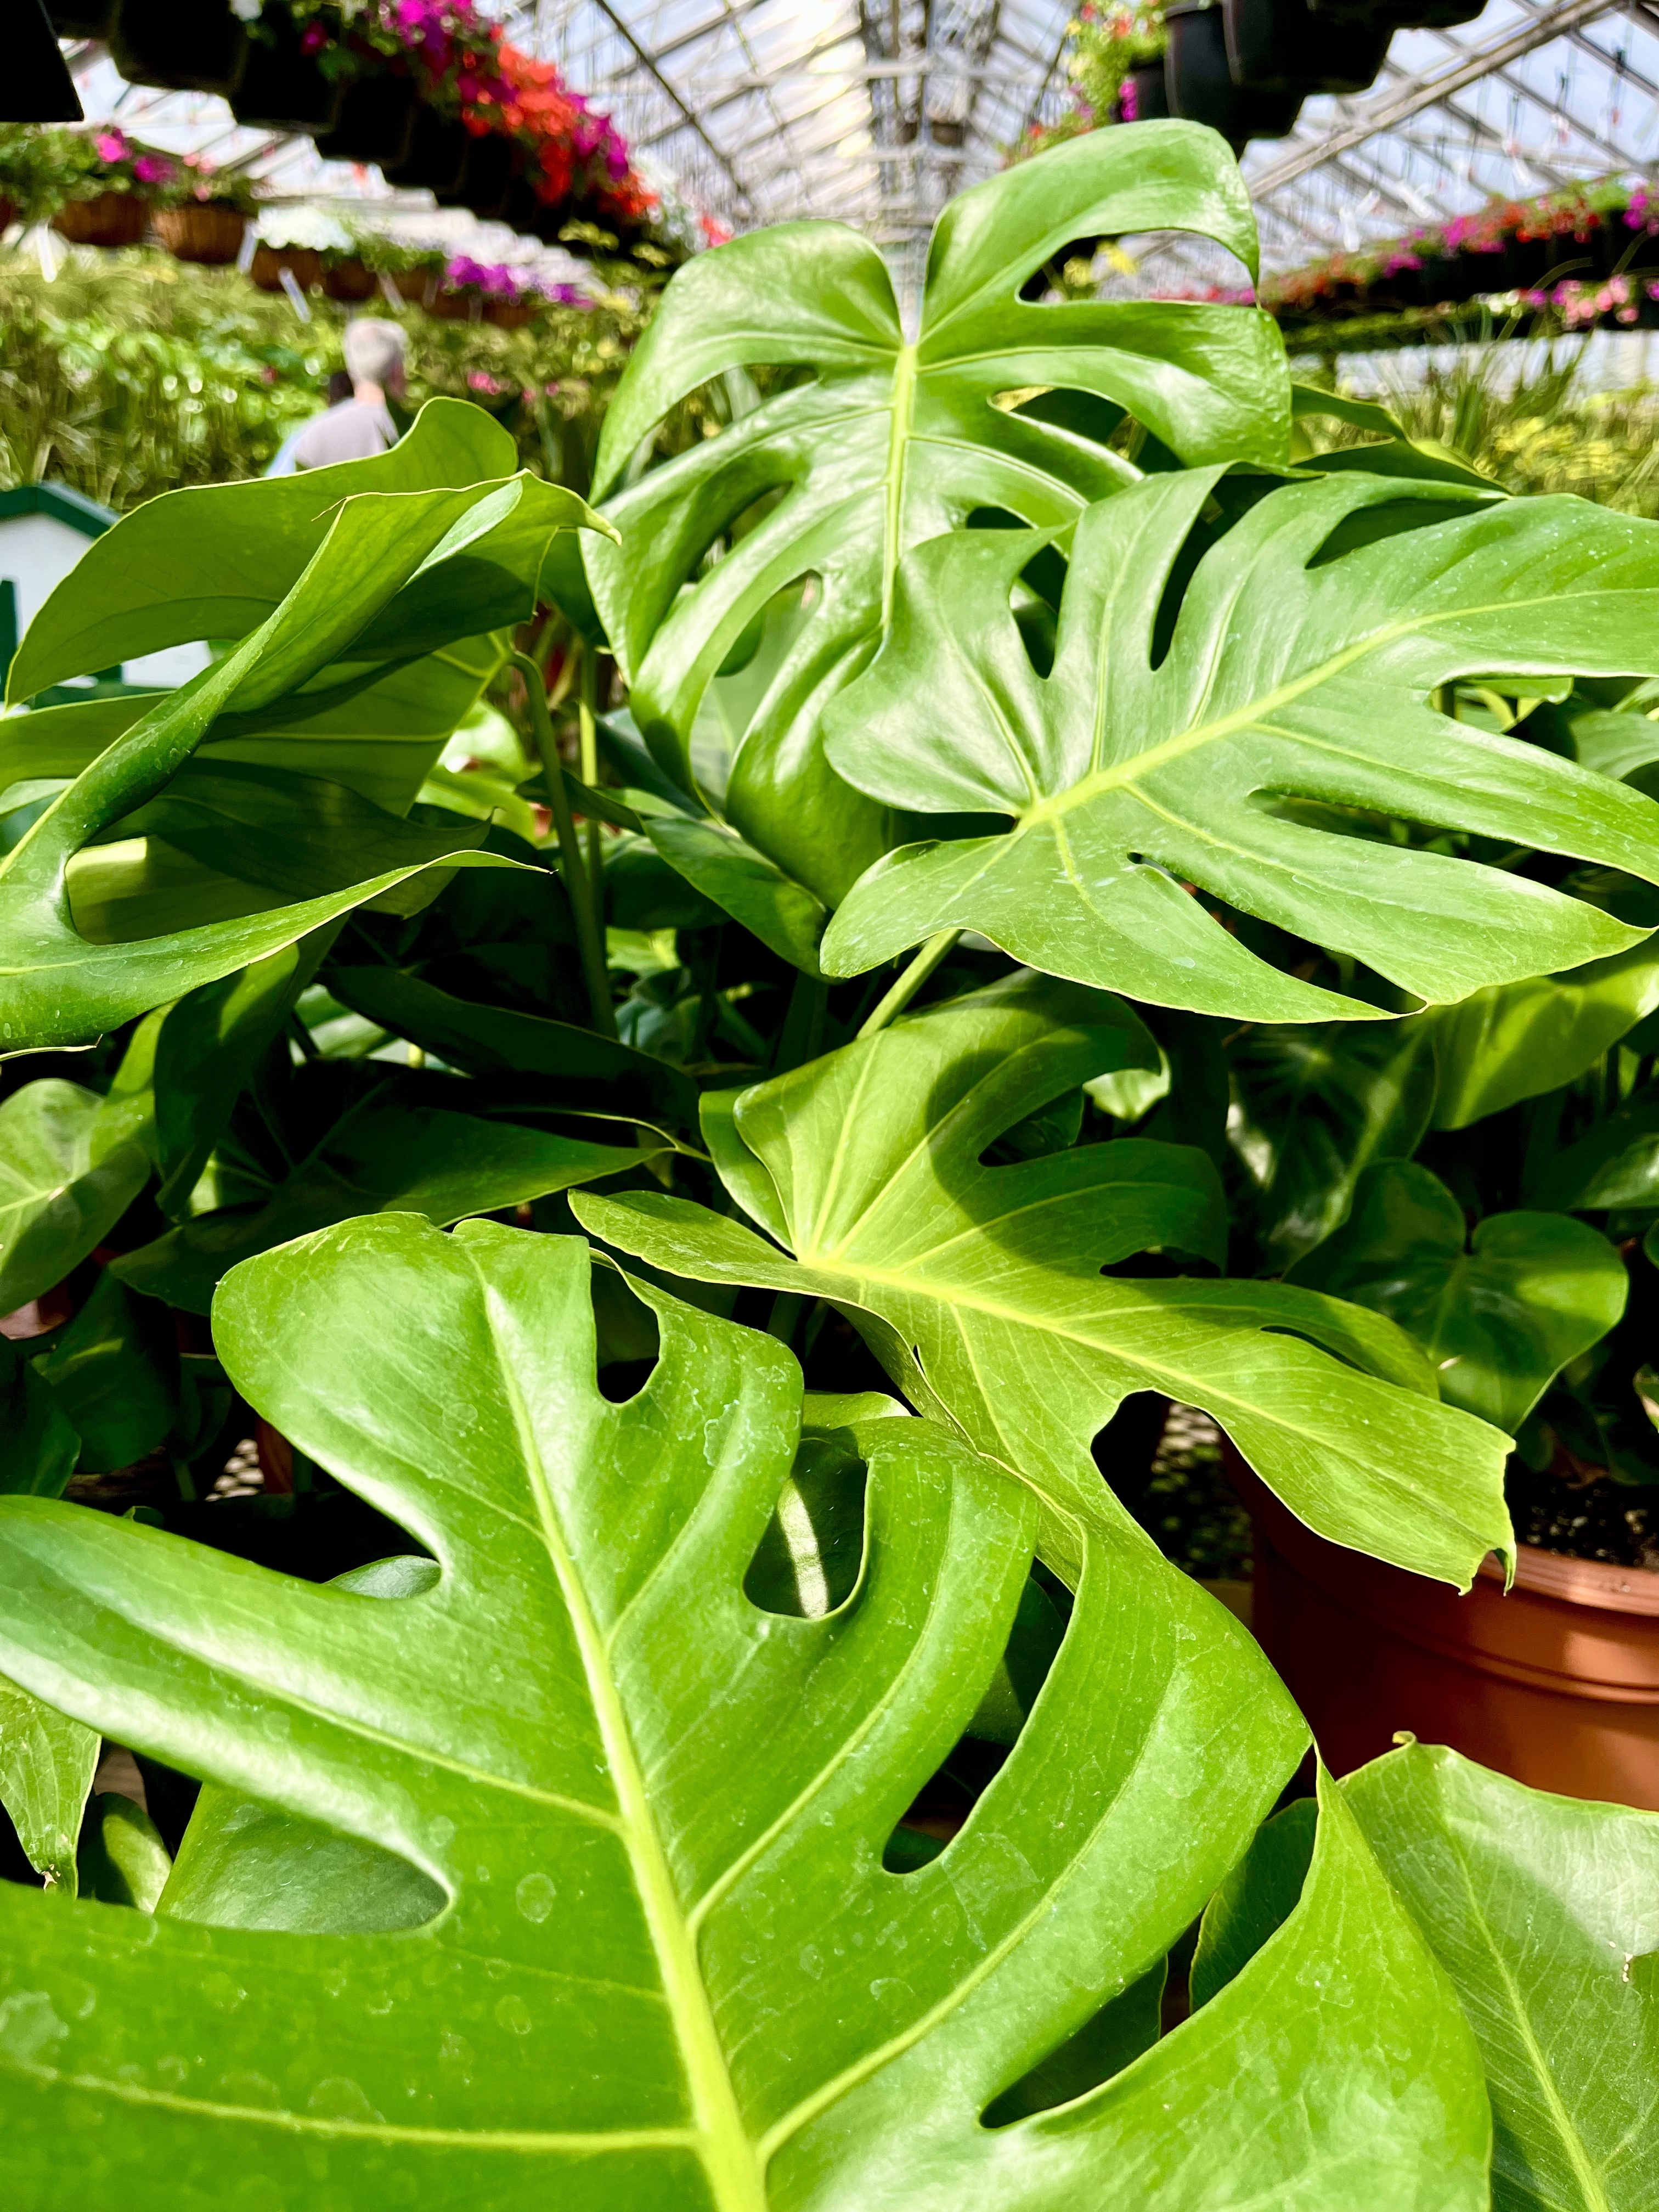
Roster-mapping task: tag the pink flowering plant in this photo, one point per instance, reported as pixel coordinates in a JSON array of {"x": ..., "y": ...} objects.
[
  {"x": 1105, "y": 43},
  {"x": 108, "y": 160}
]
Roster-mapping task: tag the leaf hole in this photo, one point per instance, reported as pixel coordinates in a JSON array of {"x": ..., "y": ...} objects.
[
  {"x": 812, "y": 1552},
  {"x": 627, "y": 1340},
  {"x": 941, "y": 1806}
]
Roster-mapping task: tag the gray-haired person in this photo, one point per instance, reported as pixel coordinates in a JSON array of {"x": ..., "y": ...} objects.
[{"x": 361, "y": 426}]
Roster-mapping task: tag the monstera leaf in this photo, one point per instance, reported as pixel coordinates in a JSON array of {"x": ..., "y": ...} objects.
[
  {"x": 1499, "y": 1319},
  {"x": 215, "y": 562},
  {"x": 667, "y": 1966},
  {"x": 1544, "y": 1912},
  {"x": 1289, "y": 701},
  {"x": 892, "y": 440},
  {"x": 981, "y": 1287},
  {"x": 393, "y": 580}
]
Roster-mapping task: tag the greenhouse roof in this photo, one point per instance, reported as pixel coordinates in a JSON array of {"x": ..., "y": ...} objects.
[{"x": 875, "y": 112}]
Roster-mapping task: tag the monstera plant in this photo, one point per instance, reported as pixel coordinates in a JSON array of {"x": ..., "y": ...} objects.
[{"x": 578, "y": 1348}]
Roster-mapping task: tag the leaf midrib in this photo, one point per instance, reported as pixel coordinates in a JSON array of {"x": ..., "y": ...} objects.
[{"x": 734, "y": 2170}]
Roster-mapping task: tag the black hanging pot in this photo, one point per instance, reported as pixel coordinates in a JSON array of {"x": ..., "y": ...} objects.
[
  {"x": 376, "y": 117},
  {"x": 1151, "y": 102},
  {"x": 437, "y": 154},
  {"x": 1391, "y": 15},
  {"x": 282, "y": 87},
  {"x": 1199, "y": 82},
  {"x": 1289, "y": 46},
  {"x": 486, "y": 178},
  {"x": 182, "y": 45},
  {"x": 82, "y": 19},
  {"x": 1443, "y": 279}
]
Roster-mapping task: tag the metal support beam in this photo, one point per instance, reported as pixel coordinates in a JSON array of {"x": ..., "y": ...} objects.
[{"x": 1428, "y": 88}]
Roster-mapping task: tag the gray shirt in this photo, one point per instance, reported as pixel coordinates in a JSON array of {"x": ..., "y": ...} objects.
[{"x": 350, "y": 432}]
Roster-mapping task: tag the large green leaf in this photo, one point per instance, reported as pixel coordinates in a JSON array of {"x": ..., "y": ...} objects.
[
  {"x": 588, "y": 1070},
  {"x": 1614, "y": 1163},
  {"x": 1317, "y": 1106},
  {"x": 672, "y": 1970},
  {"x": 392, "y": 1153},
  {"x": 38, "y": 1446},
  {"x": 114, "y": 1374},
  {"x": 893, "y": 440},
  {"x": 399, "y": 578},
  {"x": 70, "y": 1168},
  {"x": 1518, "y": 1040},
  {"x": 1544, "y": 1912},
  {"x": 46, "y": 1764},
  {"x": 1293, "y": 688},
  {"x": 1500, "y": 1317},
  {"x": 981, "y": 1290},
  {"x": 216, "y": 561}
]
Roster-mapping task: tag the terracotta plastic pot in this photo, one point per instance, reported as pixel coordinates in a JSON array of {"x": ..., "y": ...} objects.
[
  {"x": 303, "y": 262},
  {"x": 110, "y": 219},
  {"x": 511, "y": 314},
  {"x": 1556, "y": 1683},
  {"x": 413, "y": 285},
  {"x": 350, "y": 280},
  {"x": 207, "y": 233}
]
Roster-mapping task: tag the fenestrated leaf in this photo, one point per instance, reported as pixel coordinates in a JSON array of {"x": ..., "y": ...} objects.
[
  {"x": 68, "y": 1171},
  {"x": 390, "y": 1154},
  {"x": 1316, "y": 1107},
  {"x": 589, "y": 1070},
  {"x": 46, "y": 1764},
  {"x": 399, "y": 577},
  {"x": 1298, "y": 677},
  {"x": 980, "y": 1288},
  {"x": 892, "y": 442},
  {"x": 1544, "y": 1912},
  {"x": 672, "y": 1971},
  {"x": 1500, "y": 1317},
  {"x": 1519, "y": 1040}
]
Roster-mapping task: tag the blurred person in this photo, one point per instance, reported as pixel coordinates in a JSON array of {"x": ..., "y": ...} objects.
[{"x": 359, "y": 424}]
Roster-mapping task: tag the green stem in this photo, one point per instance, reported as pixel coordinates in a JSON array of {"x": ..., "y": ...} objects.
[
  {"x": 587, "y": 716},
  {"x": 801, "y": 1037},
  {"x": 910, "y": 982},
  {"x": 786, "y": 1312},
  {"x": 590, "y": 942}
]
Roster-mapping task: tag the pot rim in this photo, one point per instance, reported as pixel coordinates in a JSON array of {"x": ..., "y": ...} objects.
[{"x": 1600, "y": 1583}]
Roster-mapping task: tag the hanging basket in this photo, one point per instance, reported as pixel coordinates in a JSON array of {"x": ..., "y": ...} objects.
[
  {"x": 350, "y": 280},
  {"x": 415, "y": 286},
  {"x": 451, "y": 306},
  {"x": 436, "y": 156},
  {"x": 108, "y": 219},
  {"x": 303, "y": 262},
  {"x": 511, "y": 314},
  {"x": 208, "y": 232}
]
